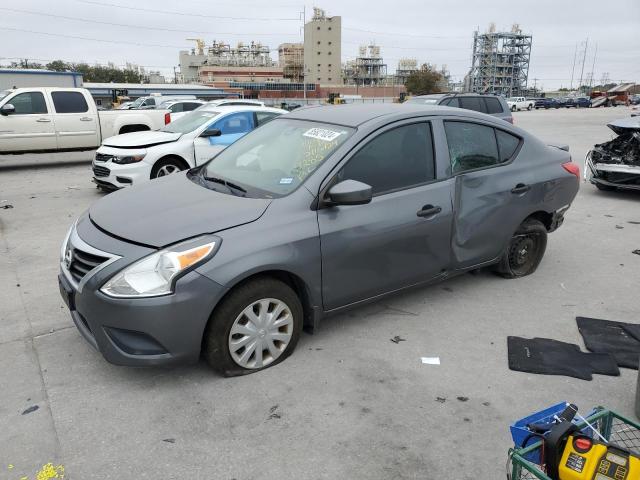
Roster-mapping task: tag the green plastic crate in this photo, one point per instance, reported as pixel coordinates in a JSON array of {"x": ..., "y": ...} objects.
[{"x": 616, "y": 428}]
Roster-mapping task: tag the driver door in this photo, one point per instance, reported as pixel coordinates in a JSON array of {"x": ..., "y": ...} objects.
[
  {"x": 31, "y": 127},
  {"x": 232, "y": 127}
]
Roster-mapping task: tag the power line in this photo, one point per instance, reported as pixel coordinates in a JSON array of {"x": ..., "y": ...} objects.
[
  {"x": 184, "y": 14},
  {"x": 395, "y": 34},
  {"x": 139, "y": 27}
]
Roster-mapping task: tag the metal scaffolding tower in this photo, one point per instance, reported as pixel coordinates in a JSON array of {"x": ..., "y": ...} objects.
[
  {"x": 368, "y": 69},
  {"x": 500, "y": 62}
]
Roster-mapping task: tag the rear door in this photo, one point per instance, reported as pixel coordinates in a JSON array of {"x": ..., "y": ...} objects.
[
  {"x": 492, "y": 190},
  {"x": 76, "y": 121},
  {"x": 31, "y": 127},
  {"x": 399, "y": 239},
  {"x": 232, "y": 126}
]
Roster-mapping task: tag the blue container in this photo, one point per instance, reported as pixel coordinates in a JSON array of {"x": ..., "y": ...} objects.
[{"x": 520, "y": 432}]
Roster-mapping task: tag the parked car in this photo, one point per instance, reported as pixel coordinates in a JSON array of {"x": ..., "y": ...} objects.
[
  {"x": 317, "y": 211},
  {"x": 545, "y": 103},
  {"x": 615, "y": 165},
  {"x": 134, "y": 158},
  {"x": 53, "y": 119},
  {"x": 178, "y": 108},
  {"x": 152, "y": 101},
  {"x": 520, "y": 103},
  {"x": 237, "y": 101},
  {"x": 634, "y": 99},
  {"x": 578, "y": 102},
  {"x": 490, "y": 104}
]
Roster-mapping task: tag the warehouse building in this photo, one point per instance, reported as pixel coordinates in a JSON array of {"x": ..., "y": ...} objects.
[{"x": 10, "y": 78}]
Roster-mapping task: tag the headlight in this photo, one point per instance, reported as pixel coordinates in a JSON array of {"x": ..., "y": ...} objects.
[
  {"x": 125, "y": 159},
  {"x": 65, "y": 243},
  {"x": 156, "y": 274}
]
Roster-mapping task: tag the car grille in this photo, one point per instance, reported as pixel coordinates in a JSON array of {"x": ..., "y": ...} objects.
[
  {"x": 83, "y": 262},
  {"x": 100, "y": 171},
  {"x": 103, "y": 157}
]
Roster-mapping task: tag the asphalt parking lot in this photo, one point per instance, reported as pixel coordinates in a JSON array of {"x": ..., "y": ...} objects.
[{"x": 349, "y": 403}]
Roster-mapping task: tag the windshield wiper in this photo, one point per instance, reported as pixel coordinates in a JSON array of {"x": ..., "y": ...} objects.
[{"x": 226, "y": 183}]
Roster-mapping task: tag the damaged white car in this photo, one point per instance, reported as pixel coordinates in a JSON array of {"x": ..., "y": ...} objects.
[{"x": 616, "y": 164}]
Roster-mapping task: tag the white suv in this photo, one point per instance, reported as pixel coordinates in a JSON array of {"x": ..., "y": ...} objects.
[{"x": 193, "y": 139}]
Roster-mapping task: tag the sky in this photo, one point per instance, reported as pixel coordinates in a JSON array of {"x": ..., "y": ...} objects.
[{"x": 150, "y": 33}]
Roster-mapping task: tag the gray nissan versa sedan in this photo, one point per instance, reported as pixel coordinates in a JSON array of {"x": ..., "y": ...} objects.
[{"x": 319, "y": 210}]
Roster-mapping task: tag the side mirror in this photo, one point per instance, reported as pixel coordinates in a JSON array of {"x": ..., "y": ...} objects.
[
  {"x": 350, "y": 192},
  {"x": 7, "y": 109},
  {"x": 214, "y": 132}
]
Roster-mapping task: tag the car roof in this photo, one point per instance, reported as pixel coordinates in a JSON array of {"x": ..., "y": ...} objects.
[
  {"x": 208, "y": 107},
  {"x": 353, "y": 115}
]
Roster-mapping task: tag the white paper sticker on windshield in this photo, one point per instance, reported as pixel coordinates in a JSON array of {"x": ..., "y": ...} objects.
[{"x": 322, "y": 134}]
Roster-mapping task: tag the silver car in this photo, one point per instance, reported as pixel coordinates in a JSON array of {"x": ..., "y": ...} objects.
[{"x": 317, "y": 211}]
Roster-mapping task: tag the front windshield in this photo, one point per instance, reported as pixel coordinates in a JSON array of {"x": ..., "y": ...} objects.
[
  {"x": 277, "y": 157},
  {"x": 137, "y": 102},
  {"x": 190, "y": 122},
  {"x": 424, "y": 101},
  {"x": 4, "y": 93}
]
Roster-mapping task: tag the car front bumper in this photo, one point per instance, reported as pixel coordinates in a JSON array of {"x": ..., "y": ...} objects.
[
  {"x": 163, "y": 330},
  {"x": 113, "y": 176}
]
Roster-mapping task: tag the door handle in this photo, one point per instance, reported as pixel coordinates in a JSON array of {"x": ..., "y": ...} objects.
[
  {"x": 429, "y": 211},
  {"x": 43, "y": 120},
  {"x": 86, "y": 119},
  {"x": 520, "y": 188}
]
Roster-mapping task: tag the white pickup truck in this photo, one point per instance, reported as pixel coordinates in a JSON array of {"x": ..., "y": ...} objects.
[
  {"x": 520, "y": 103},
  {"x": 64, "y": 119}
]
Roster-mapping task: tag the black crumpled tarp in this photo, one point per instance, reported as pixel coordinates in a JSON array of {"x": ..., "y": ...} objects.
[
  {"x": 552, "y": 357},
  {"x": 615, "y": 338}
]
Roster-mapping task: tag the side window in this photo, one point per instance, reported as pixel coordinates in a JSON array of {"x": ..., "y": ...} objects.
[
  {"x": 241, "y": 122},
  {"x": 29, "y": 102},
  {"x": 452, "y": 102},
  {"x": 473, "y": 103},
  {"x": 507, "y": 144},
  {"x": 187, "y": 107},
  {"x": 396, "y": 159},
  {"x": 149, "y": 102},
  {"x": 69, "y": 102},
  {"x": 264, "y": 117},
  {"x": 471, "y": 146},
  {"x": 493, "y": 105},
  {"x": 176, "y": 107}
]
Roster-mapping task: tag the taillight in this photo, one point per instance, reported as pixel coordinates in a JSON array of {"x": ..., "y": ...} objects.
[
  {"x": 572, "y": 168},
  {"x": 167, "y": 118}
]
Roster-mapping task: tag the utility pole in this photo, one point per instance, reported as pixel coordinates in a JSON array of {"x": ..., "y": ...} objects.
[
  {"x": 175, "y": 76},
  {"x": 584, "y": 57},
  {"x": 575, "y": 54}
]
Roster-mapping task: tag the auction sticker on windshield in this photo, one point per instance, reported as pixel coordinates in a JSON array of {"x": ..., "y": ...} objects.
[{"x": 322, "y": 134}]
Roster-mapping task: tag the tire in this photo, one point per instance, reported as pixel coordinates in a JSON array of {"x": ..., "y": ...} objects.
[
  {"x": 525, "y": 250},
  {"x": 529, "y": 107},
  {"x": 605, "y": 188},
  {"x": 167, "y": 166},
  {"x": 229, "y": 323},
  {"x": 514, "y": 108}
]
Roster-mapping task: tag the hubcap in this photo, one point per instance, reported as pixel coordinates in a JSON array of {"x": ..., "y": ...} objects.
[
  {"x": 167, "y": 170},
  {"x": 261, "y": 333}
]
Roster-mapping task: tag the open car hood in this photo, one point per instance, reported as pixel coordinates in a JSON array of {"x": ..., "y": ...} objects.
[
  {"x": 625, "y": 125},
  {"x": 170, "y": 209},
  {"x": 141, "y": 139}
]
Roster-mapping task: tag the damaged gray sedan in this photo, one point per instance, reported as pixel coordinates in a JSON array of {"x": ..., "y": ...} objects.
[
  {"x": 616, "y": 164},
  {"x": 317, "y": 211}
]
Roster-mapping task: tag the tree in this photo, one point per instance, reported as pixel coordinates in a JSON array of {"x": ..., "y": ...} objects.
[
  {"x": 424, "y": 81},
  {"x": 58, "y": 66}
]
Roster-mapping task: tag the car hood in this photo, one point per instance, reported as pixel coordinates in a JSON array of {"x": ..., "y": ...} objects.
[
  {"x": 141, "y": 139},
  {"x": 172, "y": 208},
  {"x": 625, "y": 125}
]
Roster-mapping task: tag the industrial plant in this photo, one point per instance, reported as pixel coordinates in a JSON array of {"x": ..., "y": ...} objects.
[{"x": 500, "y": 62}]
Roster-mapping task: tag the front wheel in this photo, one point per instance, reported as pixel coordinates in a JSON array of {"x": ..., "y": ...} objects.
[
  {"x": 257, "y": 326},
  {"x": 525, "y": 250},
  {"x": 514, "y": 108},
  {"x": 529, "y": 107},
  {"x": 167, "y": 166}
]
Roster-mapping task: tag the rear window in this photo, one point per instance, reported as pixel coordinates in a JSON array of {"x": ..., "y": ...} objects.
[
  {"x": 473, "y": 103},
  {"x": 452, "y": 102},
  {"x": 493, "y": 105},
  {"x": 69, "y": 102}
]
